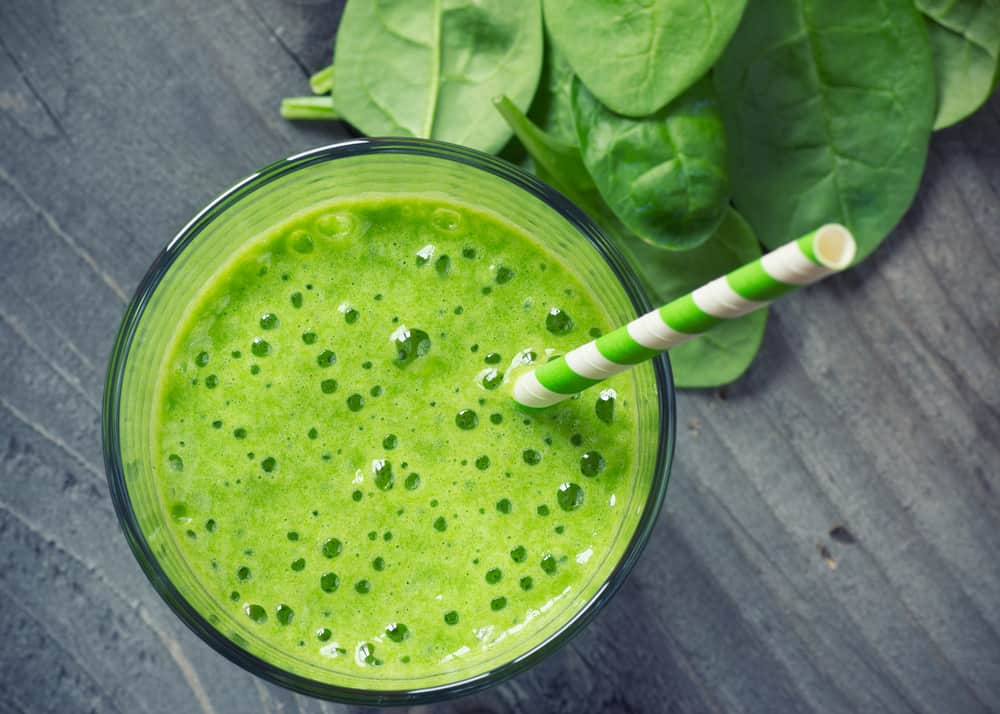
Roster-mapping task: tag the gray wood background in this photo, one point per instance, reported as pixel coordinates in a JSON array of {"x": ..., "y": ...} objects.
[{"x": 831, "y": 537}]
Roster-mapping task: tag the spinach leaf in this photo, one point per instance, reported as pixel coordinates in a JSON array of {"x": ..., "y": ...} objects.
[
  {"x": 965, "y": 38},
  {"x": 637, "y": 55},
  {"x": 663, "y": 175},
  {"x": 429, "y": 68},
  {"x": 557, "y": 162},
  {"x": 828, "y": 107},
  {"x": 551, "y": 109},
  {"x": 716, "y": 358},
  {"x": 723, "y": 353}
]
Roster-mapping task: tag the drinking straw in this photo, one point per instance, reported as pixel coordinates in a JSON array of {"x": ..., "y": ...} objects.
[{"x": 814, "y": 256}]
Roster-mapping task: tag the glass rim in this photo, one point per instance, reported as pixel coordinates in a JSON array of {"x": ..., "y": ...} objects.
[{"x": 127, "y": 519}]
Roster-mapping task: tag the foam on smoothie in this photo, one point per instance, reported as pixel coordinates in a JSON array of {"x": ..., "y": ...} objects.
[{"x": 340, "y": 464}]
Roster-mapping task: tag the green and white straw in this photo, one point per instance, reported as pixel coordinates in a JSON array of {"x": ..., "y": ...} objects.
[{"x": 825, "y": 251}]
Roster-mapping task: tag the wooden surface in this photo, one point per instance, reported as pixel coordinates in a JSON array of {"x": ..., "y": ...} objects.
[{"x": 831, "y": 539}]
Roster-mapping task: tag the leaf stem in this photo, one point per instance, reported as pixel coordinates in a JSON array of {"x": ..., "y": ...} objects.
[
  {"x": 322, "y": 81},
  {"x": 305, "y": 108}
]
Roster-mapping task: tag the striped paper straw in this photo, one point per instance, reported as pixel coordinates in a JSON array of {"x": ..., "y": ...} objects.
[{"x": 825, "y": 251}]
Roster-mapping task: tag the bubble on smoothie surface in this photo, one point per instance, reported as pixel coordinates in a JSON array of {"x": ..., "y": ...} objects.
[
  {"x": 312, "y": 433},
  {"x": 605, "y": 406},
  {"x": 179, "y": 512},
  {"x": 526, "y": 583},
  {"x": 366, "y": 654},
  {"x": 558, "y": 322},
  {"x": 309, "y": 337},
  {"x": 378, "y": 564},
  {"x": 243, "y": 573},
  {"x": 362, "y": 587},
  {"x": 336, "y": 224},
  {"x": 446, "y": 219},
  {"x": 240, "y": 433},
  {"x": 355, "y": 402},
  {"x": 296, "y": 299},
  {"x": 504, "y": 505},
  {"x": 504, "y": 275},
  {"x": 531, "y": 457},
  {"x": 468, "y": 252},
  {"x": 269, "y": 464},
  {"x": 217, "y": 424},
  {"x": 202, "y": 359},
  {"x": 519, "y": 554},
  {"x": 498, "y": 603},
  {"x": 570, "y": 496},
  {"x": 496, "y": 418},
  {"x": 329, "y": 582},
  {"x": 328, "y": 386},
  {"x": 451, "y": 617},
  {"x": 483, "y": 462},
  {"x": 212, "y": 381},
  {"x": 256, "y": 613},
  {"x": 210, "y": 525},
  {"x": 425, "y": 254},
  {"x": 383, "y": 474},
  {"x": 410, "y": 344},
  {"x": 350, "y": 314},
  {"x": 326, "y": 358},
  {"x": 285, "y": 614},
  {"x": 442, "y": 266},
  {"x": 301, "y": 241},
  {"x": 332, "y": 547},
  {"x": 542, "y": 510},
  {"x": 323, "y": 634},
  {"x": 357, "y": 496},
  {"x": 175, "y": 462},
  {"x": 548, "y": 563},
  {"x": 298, "y": 564},
  {"x": 466, "y": 419},
  {"x": 292, "y": 535},
  {"x": 390, "y": 441},
  {"x": 491, "y": 378},
  {"x": 412, "y": 482},
  {"x": 493, "y": 358},
  {"x": 592, "y": 463},
  {"x": 260, "y": 347},
  {"x": 494, "y": 575},
  {"x": 268, "y": 321},
  {"x": 397, "y": 632},
  {"x": 440, "y": 524}
]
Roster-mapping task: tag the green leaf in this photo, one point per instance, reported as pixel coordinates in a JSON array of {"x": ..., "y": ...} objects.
[
  {"x": 308, "y": 108},
  {"x": 430, "y": 68},
  {"x": 713, "y": 359},
  {"x": 556, "y": 162},
  {"x": 637, "y": 55},
  {"x": 322, "y": 81},
  {"x": 725, "y": 352},
  {"x": 552, "y": 109},
  {"x": 664, "y": 175},
  {"x": 828, "y": 106},
  {"x": 965, "y": 38}
]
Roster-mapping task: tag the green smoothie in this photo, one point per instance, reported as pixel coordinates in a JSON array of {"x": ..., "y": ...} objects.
[{"x": 338, "y": 456}]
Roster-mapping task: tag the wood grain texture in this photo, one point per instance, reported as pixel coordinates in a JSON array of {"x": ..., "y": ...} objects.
[{"x": 831, "y": 532}]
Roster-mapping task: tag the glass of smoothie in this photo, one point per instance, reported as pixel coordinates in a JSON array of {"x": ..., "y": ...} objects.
[{"x": 311, "y": 442}]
